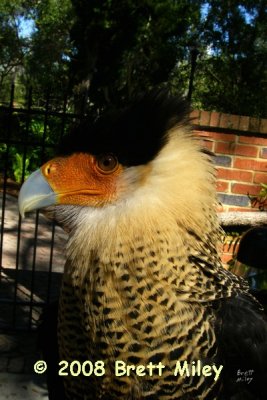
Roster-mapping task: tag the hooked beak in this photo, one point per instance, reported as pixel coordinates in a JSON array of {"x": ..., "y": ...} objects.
[{"x": 35, "y": 193}]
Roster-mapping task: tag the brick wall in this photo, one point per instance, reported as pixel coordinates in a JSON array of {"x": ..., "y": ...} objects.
[{"x": 240, "y": 147}]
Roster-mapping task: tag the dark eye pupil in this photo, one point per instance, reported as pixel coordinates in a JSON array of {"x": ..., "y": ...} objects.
[{"x": 107, "y": 162}]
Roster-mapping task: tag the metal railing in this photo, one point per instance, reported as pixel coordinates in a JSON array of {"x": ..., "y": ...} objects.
[{"x": 31, "y": 250}]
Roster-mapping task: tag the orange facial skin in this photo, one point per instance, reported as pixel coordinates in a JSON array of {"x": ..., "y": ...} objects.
[{"x": 83, "y": 179}]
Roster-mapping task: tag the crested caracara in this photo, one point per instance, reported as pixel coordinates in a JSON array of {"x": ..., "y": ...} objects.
[{"x": 146, "y": 309}]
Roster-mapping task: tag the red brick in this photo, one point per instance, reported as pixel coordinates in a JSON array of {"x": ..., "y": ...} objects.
[
  {"x": 234, "y": 121},
  {"x": 207, "y": 135},
  {"x": 234, "y": 175},
  {"x": 263, "y": 125},
  {"x": 245, "y": 209},
  {"x": 243, "y": 150},
  {"x": 202, "y": 134},
  {"x": 223, "y": 160},
  {"x": 249, "y": 164},
  {"x": 207, "y": 144},
  {"x": 236, "y": 200},
  {"x": 260, "y": 177},
  {"x": 224, "y": 121},
  {"x": 196, "y": 132},
  {"x": 253, "y": 140},
  {"x": 223, "y": 137},
  {"x": 222, "y": 186},
  {"x": 254, "y": 124},
  {"x": 244, "y": 123},
  {"x": 241, "y": 188},
  {"x": 194, "y": 116},
  {"x": 204, "y": 118},
  {"x": 215, "y": 118},
  {"x": 263, "y": 152},
  {"x": 225, "y": 147},
  {"x": 229, "y": 121}
]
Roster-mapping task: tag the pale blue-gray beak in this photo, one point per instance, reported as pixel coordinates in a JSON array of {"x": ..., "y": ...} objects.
[{"x": 35, "y": 193}]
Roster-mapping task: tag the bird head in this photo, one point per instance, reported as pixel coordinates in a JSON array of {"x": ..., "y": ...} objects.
[{"x": 141, "y": 161}]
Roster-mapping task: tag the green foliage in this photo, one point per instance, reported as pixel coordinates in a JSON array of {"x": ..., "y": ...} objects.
[
  {"x": 260, "y": 200},
  {"x": 263, "y": 191},
  {"x": 231, "y": 73},
  {"x": 28, "y": 141},
  {"x": 47, "y": 61},
  {"x": 106, "y": 52},
  {"x": 11, "y": 45},
  {"x": 18, "y": 166}
]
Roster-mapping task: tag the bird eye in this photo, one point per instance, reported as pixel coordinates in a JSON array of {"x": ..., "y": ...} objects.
[{"x": 107, "y": 162}]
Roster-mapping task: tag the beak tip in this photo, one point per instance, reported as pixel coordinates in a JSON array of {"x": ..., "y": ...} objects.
[
  {"x": 21, "y": 213},
  {"x": 20, "y": 207},
  {"x": 35, "y": 193}
]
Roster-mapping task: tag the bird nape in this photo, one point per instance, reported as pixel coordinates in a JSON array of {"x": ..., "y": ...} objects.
[{"x": 146, "y": 309}]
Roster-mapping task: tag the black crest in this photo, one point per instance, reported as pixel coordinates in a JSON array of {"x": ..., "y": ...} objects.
[{"x": 135, "y": 134}]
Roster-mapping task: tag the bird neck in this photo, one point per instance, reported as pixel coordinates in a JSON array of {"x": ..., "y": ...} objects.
[
  {"x": 154, "y": 249},
  {"x": 170, "y": 219}
]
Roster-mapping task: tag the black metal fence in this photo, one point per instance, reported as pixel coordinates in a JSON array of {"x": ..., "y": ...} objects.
[{"x": 31, "y": 250}]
